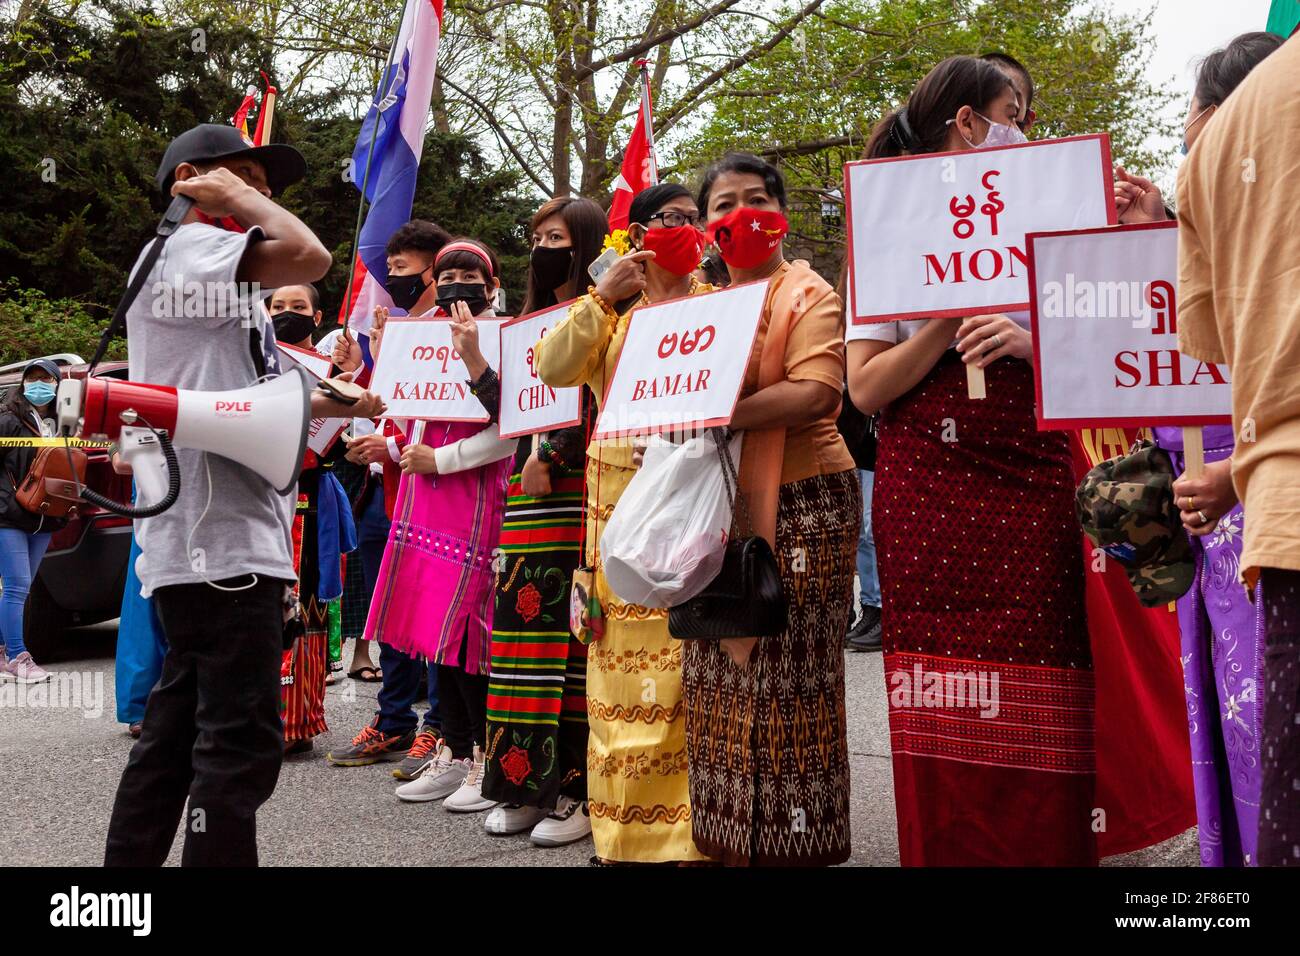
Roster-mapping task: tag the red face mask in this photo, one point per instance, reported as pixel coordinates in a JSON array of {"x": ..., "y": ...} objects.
[
  {"x": 746, "y": 236},
  {"x": 227, "y": 223},
  {"x": 677, "y": 249}
]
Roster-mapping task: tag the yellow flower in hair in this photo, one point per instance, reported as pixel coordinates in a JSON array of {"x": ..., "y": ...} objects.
[{"x": 618, "y": 241}]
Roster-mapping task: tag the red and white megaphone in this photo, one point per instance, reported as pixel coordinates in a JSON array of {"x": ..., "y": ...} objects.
[{"x": 262, "y": 427}]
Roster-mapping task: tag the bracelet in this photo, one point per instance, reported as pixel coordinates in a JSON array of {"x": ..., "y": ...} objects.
[
  {"x": 547, "y": 454},
  {"x": 604, "y": 306}
]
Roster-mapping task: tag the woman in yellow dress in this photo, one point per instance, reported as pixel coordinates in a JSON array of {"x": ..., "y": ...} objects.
[{"x": 636, "y": 753}]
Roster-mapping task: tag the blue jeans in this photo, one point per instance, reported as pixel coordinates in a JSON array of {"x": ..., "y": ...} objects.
[
  {"x": 402, "y": 673},
  {"x": 141, "y": 647},
  {"x": 20, "y": 556},
  {"x": 867, "y": 545}
]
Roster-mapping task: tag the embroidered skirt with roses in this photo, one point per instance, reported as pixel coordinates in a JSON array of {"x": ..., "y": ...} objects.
[{"x": 537, "y": 701}]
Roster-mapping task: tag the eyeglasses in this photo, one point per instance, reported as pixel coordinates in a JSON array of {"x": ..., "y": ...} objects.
[{"x": 673, "y": 219}]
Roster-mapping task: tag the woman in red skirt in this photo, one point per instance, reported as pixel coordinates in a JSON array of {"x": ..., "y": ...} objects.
[{"x": 987, "y": 661}]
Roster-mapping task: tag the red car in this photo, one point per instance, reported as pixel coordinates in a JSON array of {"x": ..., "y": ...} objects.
[{"x": 83, "y": 575}]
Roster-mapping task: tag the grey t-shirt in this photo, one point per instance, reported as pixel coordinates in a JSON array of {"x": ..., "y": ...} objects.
[{"x": 189, "y": 328}]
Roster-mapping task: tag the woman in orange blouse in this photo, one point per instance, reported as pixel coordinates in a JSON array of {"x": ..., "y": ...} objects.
[{"x": 765, "y": 725}]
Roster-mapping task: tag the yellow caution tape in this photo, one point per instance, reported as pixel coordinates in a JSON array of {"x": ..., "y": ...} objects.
[{"x": 53, "y": 443}]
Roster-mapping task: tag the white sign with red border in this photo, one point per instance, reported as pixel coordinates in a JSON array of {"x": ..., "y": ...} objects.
[
  {"x": 1105, "y": 324},
  {"x": 321, "y": 432},
  {"x": 683, "y": 362},
  {"x": 943, "y": 234},
  {"x": 420, "y": 375},
  {"x": 529, "y": 405}
]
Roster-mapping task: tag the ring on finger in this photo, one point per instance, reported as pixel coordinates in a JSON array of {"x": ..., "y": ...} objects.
[
  {"x": 1201, "y": 514},
  {"x": 995, "y": 342}
]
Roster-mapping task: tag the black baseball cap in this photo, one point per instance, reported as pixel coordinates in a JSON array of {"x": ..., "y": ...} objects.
[{"x": 209, "y": 142}]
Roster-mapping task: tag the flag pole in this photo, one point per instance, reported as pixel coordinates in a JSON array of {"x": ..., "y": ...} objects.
[
  {"x": 648, "y": 121},
  {"x": 370, "y": 153},
  {"x": 265, "y": 113}
]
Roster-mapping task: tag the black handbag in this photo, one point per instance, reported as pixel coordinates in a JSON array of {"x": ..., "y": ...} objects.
[{"x": 745, "y": 598}]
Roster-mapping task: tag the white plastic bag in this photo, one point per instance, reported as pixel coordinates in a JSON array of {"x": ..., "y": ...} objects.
[{"x": 668, "y": 534}]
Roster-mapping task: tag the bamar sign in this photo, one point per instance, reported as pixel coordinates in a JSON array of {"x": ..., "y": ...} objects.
[
  {"x": 943, "y": 234},
  {"x": 528, "y": 404},
  {"x": 683, "y": 362},
  {"x": 1105, "y": 324},
  {"x": 321, "y": 432},
  {"x": 419, "y": 373}
]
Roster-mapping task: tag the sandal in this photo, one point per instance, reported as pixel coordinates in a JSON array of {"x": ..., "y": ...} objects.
[{"x": 358, "y": 674}]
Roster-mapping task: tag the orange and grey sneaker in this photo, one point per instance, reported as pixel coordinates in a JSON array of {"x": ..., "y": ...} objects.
[
  {"x": 422, "y": 753},
  {"x": 371, "y": 746}
]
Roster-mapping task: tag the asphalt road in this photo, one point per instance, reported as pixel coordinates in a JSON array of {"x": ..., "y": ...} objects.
[{"x": 59, "y": 767}]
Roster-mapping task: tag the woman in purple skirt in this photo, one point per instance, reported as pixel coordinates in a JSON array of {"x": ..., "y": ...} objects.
[{"x": 1223, "y": 654}]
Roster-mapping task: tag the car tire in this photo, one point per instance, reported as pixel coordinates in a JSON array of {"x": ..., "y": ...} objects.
[{"x": 43, "y": 622}]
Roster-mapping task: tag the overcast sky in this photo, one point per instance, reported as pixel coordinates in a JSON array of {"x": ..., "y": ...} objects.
[{"x": 1186, "y": 30}]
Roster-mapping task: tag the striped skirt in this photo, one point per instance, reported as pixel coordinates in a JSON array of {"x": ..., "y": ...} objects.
[
  {"x": 767, "y": 743},
  {"x": 537, "y": 700}
]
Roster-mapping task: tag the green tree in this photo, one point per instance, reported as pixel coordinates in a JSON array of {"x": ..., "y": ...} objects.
[
  {"x": 89, "y": 98},
  {"x": 812, "y": 104}
]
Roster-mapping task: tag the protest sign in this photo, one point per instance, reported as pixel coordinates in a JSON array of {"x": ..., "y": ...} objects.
[
  {"x": 942, "y": 234},
  {"x": 419, "y": 373},
  {"x": 1105, "y": 324},
  {"x": 683, "y": 362},
  {"x": 529, "y": 405},
  {"x": 321, "y": 432}
]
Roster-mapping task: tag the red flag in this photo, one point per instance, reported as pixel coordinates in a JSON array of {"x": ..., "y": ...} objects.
[
  {"x": 240, "y": 119},
  {"x": 639, "y": 167}
]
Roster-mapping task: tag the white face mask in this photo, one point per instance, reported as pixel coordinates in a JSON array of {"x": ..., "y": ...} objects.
[{"x": 1000, "y": 134}]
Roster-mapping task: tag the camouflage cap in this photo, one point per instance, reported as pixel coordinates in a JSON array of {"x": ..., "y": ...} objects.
[{"x": 1126, "y": 506}]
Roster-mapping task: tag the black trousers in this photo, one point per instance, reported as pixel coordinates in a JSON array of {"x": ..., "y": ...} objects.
[
  {"x": 212, "y": 730},
  {"x": 1279, "y": 797},
  {"x": 462, "y": 704}
]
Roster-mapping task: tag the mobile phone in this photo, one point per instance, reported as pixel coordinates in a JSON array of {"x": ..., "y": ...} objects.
[
  {"x": 349, "y": 393},
  {"x": 602, "y": 264}
]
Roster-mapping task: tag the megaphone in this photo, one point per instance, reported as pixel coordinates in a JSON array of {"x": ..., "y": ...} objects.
[{"x": 262, "y": 427}]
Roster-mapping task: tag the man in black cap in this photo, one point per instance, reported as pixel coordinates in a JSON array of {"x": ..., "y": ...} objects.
[{"x": 219, "y": 562}]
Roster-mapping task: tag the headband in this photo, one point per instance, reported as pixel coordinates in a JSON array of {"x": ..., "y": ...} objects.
[{"x": 463, "y": 246}]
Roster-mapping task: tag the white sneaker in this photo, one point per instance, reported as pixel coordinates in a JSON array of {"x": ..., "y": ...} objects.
[
  {"x": 469, "y": 798},
  {"x": 569, "y": 822},
  {"x": 513, "y": 818},
  {"x": 25, "y": 670},
  {"x": 440, "y": 778}
]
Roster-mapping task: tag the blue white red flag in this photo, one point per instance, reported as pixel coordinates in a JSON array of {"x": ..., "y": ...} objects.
[{"x": 396, "y": 123}]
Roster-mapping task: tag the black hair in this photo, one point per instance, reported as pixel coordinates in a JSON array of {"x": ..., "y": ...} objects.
[
  {"x": 649, "y": 201},
  {"x": 922, "y": 125},
  {"x": 466, "y": 260},
  {"x": 419, "y": 235},
  {"x": 587, "y": 227},
  {"x": 773, "y": 181},
  {"x": 1011, "y": 63},
  {"x": 313, "y": 293},
  {"x": 1223, "y": 70}
]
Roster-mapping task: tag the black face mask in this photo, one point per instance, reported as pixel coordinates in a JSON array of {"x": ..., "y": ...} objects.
[
  {"x": 551, "y": 266},
  {"x": 473, "y": 294},
  {"x": 292, "y": 327},
  {"x": 405, "y": 291}
]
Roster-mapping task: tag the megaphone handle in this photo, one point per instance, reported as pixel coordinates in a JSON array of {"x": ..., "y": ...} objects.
[{"x": 140, "y": 449}]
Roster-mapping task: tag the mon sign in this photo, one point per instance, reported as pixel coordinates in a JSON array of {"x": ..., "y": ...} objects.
[
  {"x": 1105, "y": 324},
  {"x": 943, "y": 234}
]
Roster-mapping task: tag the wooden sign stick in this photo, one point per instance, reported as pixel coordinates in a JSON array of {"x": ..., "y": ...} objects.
[
  {"x": 1193, "y": 451},
  {"x": 975, "y": 382}
]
